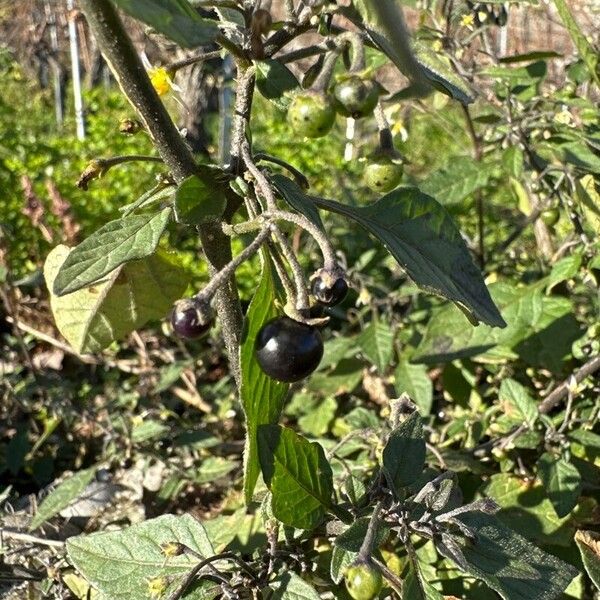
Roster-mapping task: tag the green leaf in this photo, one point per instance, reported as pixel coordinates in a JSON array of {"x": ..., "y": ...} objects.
[
  {"x": 273, "y": 80},
  {"x": 585, "y": 49},
  {"x": 454, "y": 182},
  {"x": 588, "y": 543},
  {"x": 415, "y": 587},
  {"x": 70, "y": 489},
  {"x": 404, "y": 453},
  {"x": 147, "y": 430},
  {"x": 513, "y": 161},
  {"x": 261, "y": 397},
  {"x": 510, "y": 564},
  {"x": 440, "y": 74},
  {"x": 120, "y": 241},
  {"x": 292, "y": 193},
  {"x": 176, "y": 19},
  {"x": 298, "y": 475},
  {"x": 213, "y": 468},
  {"x": 414, "y": 380},
  {"x": 518, "y": 398},
  {"x": 526, "y": 508},
  {"x": 377, "y": 343},
  {"x": 540, "y": 330},
  {"x": 589, "y": 201},
  {"x": 91, "y": 318},
  {"x": 341, "y": 380},
  {"x": 122, "y": 564},
  {"x": 533, "y": 73},
  {"x": 420, "y": 235},
  {"x": 384, "y": 22},
  {"x": 316, "y": 421},
  {"x": 564, "y": 269},
  {"x": 197, "y": 202},
  {"x": 352, "y": 538},
  {"x": 340, "y": 561},
  {"x": 292, "y": 587},
  {"x": 530, "y": 56},
  {"x": 561, "y": 481}
]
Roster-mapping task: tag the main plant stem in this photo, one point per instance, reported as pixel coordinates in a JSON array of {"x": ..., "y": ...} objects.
[{"x": 119, "y": 52}]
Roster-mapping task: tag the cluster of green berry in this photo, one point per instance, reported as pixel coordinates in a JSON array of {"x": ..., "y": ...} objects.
[{"x": 312, "y": 114}]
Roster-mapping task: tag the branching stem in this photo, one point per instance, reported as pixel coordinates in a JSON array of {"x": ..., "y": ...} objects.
[{"x": 127, "y": 67}]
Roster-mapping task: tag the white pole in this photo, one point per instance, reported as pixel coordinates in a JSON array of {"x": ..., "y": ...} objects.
[
  {"x": 76, "y": 75},
  {"x": 503, "y": 38},
  {"x": 58, "y": 97}
]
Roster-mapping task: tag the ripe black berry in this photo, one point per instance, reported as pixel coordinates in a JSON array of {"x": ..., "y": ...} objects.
[
  {"x": 187, "y": 322},
  {"x": 288, "y": 350},
  {"x": 329, "y": 294}
]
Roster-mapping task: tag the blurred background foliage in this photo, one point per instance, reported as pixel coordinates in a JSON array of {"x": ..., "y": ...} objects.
[{"x": 160, "y": 417}]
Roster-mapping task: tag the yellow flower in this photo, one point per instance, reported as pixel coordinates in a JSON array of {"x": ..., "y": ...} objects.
[
  {"x": 160, "y": 77},
  {"x": 468, "y": 21},
  {"x": 161, "y": 80}
]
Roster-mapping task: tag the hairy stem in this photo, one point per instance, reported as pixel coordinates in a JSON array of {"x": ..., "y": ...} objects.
[{"x": 119, "y": 52}]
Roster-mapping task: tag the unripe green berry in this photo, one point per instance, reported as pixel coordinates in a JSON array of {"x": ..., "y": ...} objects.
[
  {"x": 311, "y": 114},
  {"x": 363, "y": 581},
  {"x": 383, "y": 174}
]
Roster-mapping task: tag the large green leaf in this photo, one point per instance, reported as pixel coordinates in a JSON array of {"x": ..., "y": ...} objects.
[
  {"x": 130, "y": 238},
  {"x": 588, "y": 543},
  {"x": 377, "y": 343},
  {"x": 540, "y": 330},
  {"x": 562, "y": 482},
  {"x": 176, "y": 19},
  {"x": 262, "y": 397},
  {"x": 404, "y": 453},
  {"x": 510, "y": 564},
  {"x": 298, "y": 475},
  {"x": 59, "y": 498},
  {"x": 197, "y": 201},
  {"x": 125, "y": 564},
  {"x": 93, "y": 317},
  {"x": 414, "y": 380},
  {"x": 454, "y": 182},
  {"x": 422, "y": 237}
]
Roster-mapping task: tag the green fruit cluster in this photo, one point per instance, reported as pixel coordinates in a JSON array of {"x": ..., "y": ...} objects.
[{"x": 312, "y": 114}]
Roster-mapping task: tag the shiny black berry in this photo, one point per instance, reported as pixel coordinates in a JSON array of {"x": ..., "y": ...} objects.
[
  {"x": 288, "y": 350},
  {"x": 329, "y": 295},
  {"x": 187, "y": 322}
]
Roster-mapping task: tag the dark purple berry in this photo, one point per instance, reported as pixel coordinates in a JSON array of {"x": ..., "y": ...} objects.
[
  {"x": 187, "y": 322},
  {"x": 288, "y": 350},
  {"x": 329, "y": 295}
]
